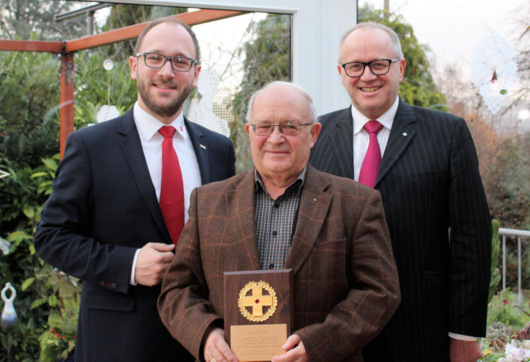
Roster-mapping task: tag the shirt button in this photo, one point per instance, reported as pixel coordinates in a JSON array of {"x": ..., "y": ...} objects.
[
  {"x": 274, "y": 233},
  {"x": 276, "y": 205},
  {"x": 271, "y": 266}
]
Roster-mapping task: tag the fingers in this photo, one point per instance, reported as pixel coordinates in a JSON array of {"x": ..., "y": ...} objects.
[
  {"x": 161, "y": 246},
  {"x": 152, "y": 263},
  {"x": 295, "y": 351},
  {"x": 216, "y": 349},
  {"x": 291, "y": 342}
]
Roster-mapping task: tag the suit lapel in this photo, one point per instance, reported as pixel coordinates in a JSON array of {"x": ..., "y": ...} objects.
[
  {"x": 243, "y": 220},
  {"x": 314, "y": 205},
  {"x": 200, "y": 147},
  {"x": 402, "y": 133},
  {"x": 342, "y": 139},
  {"x": 132, "y": 151}
]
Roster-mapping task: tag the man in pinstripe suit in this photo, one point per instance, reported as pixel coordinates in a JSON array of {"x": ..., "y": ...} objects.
[{"x": 433, "y": 197}]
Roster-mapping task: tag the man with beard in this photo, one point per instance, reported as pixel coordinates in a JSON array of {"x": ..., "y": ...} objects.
[{"x": 120, "y": 199}]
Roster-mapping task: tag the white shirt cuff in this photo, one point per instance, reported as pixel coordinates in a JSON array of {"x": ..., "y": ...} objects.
[
  {"x": 133, "y": 281},
  {"x": 462, "y": 337}
]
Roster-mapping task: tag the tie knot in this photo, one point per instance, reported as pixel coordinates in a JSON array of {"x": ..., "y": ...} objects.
[
  {"x": 373, "y": 126},
  {"x": 167, "y": 131}
]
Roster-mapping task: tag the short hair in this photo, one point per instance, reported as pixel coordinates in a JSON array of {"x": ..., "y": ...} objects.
[
  {"x": 156, "y": 22},
  {"x": 311, "y": 111},
  {"x": 395, "y": 39}
]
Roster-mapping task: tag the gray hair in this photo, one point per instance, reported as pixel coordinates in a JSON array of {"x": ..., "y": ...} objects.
[
  {"x": 395, "y": 39},
  {"x": 311, "y": 111}
]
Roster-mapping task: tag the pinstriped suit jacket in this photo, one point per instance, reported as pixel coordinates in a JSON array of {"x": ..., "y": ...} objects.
[
  {"x": 345, "y": 281},
  {"x": 439, "y": 225}
]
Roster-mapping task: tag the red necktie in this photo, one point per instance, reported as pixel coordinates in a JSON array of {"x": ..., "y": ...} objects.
[
  {"x": 172, "y": 188},
  {"x": 372, "y": 160}
]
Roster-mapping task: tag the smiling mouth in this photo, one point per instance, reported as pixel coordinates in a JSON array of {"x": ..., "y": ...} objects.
[
  {"x": 369, "y": 89},
  {"x": 164, "y": 86}
]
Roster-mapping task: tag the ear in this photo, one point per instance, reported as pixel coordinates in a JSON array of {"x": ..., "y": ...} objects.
[
  {"x": 196, "y": 75},
  {"x": 402, "y": 66},
  {"x": 247, "y": 128},
  {"x": 315, "y": 131},
  {"x": 133, "y": 64}
]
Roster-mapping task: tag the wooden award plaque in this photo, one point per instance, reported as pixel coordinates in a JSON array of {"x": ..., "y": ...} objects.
[{"x": 258, "y": 312}]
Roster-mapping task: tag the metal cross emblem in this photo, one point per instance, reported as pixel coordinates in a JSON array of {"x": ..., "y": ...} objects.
[{"x": 257, "y": 301}]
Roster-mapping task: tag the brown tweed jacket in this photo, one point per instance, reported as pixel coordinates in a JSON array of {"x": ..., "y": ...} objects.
[{"x": 345, "y": 280}]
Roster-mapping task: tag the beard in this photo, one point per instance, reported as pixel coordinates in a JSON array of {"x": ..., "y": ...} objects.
[{"x": 163, "y": 110}]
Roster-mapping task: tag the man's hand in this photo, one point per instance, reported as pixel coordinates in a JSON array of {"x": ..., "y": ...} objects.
[
  {"x": 295, "y": 351},
  {"x": 216, "y": 349},
  {"x": 152, "y": 263},
  {"x": 464, "y": 351}
]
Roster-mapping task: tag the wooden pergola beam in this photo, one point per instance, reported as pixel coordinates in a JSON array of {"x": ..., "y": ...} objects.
[
  {"x": 32, "y": 46},
  {"x": 133, "y": 31}
]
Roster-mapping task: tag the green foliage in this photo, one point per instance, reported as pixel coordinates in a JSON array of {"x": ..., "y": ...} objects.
[
  {"x": 29, "y": 122},
  {"x": 59, "y": 341},
  {"x": 495, "y": 273},
  {"x": 93, "y": 84},
  {"x": 267, "y": 59},
  {"x": 418, "y": 86},
  {"x": 30, "y": 19},
  {"x": 505, "y": 308},
  {"x": 510, "y": 199}
]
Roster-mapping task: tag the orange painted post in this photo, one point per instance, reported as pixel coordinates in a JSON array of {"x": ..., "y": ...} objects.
[{"x": 66, "y": 111}]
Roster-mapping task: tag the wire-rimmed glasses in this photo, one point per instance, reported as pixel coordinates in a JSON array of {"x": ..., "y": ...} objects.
[{"x": 287, "y": 128}]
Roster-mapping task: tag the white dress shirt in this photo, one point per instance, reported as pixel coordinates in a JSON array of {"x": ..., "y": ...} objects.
[
  {"x": 151, "y": 141},
  {"x": 361, "y": 138}
]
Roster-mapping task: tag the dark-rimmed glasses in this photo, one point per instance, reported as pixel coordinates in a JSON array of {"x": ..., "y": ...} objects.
[
  {"x": 286, "y": 128},
  {"x": 157, "y": 60},
  {"x": 377, "y": 67}
]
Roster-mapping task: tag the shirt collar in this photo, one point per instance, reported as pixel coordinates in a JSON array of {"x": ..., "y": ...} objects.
[
  {"x": 296, "y": 183},
  {"x": 148, "y": 125},
  {"x": 386, "y": 119}
]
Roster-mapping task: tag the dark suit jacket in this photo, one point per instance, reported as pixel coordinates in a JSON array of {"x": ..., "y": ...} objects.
[
  {"x": 102, "y": 209},
  {"x": 430, "y": 183},
  {"x": 345, "y": 281}
]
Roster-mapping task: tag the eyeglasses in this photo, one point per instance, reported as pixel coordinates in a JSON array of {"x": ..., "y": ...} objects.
[
  {"x": 178, "y": 63},
  {"x": 378, "y": 67},
  {"x": 286, "y": 128}
]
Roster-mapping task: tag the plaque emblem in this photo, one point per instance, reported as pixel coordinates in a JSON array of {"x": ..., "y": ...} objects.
[{"x": 257, "y": 301}]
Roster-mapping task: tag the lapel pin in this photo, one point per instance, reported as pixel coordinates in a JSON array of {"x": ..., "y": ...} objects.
[
  {"x": 202, "y": 146},
  {"x": 405, "y": 134}
]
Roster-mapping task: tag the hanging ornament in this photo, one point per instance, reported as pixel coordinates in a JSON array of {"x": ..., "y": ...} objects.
[
  {"x": 494, "y": 71},
  {"x": 107, "y": 112}
]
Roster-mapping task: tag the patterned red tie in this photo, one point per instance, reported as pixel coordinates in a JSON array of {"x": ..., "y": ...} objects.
[
  {"x": 371, "y": 161},
  {"x": 172, "y": 188}
]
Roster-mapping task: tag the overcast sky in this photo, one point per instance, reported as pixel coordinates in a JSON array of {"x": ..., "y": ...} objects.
[{"x": 454, "y": 28}]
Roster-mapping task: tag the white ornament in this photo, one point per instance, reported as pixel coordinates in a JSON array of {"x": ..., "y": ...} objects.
[
  {"x": 494, "y": 70},
  {"x": 107, "y": 112},
  {"x": 201, "y": 111}
]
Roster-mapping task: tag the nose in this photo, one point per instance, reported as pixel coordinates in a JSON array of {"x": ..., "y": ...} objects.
[
  {"x": 367, "y": 74},
  {"x": 276, "y": 136},
  {"x": 166, "y": 69}
]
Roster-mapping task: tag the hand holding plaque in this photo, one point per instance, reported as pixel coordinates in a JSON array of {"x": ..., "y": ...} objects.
[{"x": 258, "y": 312}]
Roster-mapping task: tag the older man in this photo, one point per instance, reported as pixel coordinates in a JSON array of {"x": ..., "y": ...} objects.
[
  {"x": 285, "y": 214},
  {"x": 425, "y": 165}
]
